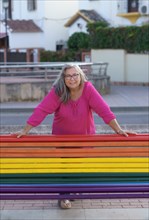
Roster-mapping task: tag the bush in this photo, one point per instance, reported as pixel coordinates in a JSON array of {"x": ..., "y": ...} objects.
[
  {"x": 133, "y": 39},
  {"x": 62, "y": 56},
  {"x": 79, "y": 41}
]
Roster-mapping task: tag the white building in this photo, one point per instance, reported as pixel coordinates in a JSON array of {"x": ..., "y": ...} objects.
[
  {"x": 49, "y": 18},
  {"x": 47, "y": 24},
  {"x": 115, "y": 12}
]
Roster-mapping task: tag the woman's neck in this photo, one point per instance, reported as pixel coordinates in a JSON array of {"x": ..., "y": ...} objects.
[{"x": 76, "y": 93}]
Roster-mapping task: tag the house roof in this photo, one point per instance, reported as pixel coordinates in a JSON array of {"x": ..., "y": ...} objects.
[
  {"x": 87, "y": 15},
  {"x": 23, "y": 26}
]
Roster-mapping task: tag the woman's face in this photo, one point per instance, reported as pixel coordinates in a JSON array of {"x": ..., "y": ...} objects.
[{"x": 72, "y": 78}]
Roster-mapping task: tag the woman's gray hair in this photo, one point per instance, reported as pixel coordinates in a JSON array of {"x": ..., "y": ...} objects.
[{"x": 60, "y": 87}]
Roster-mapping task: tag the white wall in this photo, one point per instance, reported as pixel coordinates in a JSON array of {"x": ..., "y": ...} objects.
[
  {"x": 74, "y": 27},
  {"x": 123, "y": 67},
  {"x": 137, "y": 67},
  {"x": 20, "y": 10},
  {"x": 57, "y": 13},
  {"x": 28, "y": 40},
  {"x": 116, "y": 60}
]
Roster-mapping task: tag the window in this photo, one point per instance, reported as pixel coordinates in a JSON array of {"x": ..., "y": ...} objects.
[
  {"x": 31, "y": 5},
  {"x": 133, "y": 5},
  {"x": 127, "y": 6}
]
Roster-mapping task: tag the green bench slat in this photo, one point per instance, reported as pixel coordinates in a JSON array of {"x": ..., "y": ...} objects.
[
  {"x": 42, "y": 175},
  {"x": 74, "y": 178}
]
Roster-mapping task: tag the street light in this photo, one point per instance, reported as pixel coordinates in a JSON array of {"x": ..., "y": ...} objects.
[{"x": 5, "y": 6}]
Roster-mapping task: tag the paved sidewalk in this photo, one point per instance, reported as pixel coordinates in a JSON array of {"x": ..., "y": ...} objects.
[
  {"x": 120, "y": 98},
  {"x": 116, "y": 209}
]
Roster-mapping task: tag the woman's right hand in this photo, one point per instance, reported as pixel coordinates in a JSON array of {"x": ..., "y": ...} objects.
[
  {"x": 21, "y": 133},
  {"x": 25, "y": 131}
]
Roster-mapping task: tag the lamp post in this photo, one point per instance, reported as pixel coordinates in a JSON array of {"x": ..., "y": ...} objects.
[{"x": 5, "y": 6}]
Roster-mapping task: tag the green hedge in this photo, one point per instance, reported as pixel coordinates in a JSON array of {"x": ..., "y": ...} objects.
[
  {"x": 133, "y": 39},
  {"x": 62, "y": 56}
]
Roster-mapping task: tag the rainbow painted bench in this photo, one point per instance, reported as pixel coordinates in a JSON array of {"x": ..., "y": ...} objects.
[{"x": 74, "y": 167}]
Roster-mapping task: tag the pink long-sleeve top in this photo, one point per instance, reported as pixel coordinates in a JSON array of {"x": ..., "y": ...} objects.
[{"x": 75, "y": 117}]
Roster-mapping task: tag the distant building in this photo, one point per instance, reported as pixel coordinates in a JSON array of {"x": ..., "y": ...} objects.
[
  {"x": 33, "y": 25},
  {"x": 116, "y": 13},
  {"x": 78, "y": 22}
]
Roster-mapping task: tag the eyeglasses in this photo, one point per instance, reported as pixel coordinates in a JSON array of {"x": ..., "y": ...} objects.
[{"x": 74, "y": 76}]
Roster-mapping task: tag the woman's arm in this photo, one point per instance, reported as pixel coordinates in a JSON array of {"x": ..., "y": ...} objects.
[
  {"x": 48, "y": 105},
  {"x": 99, "y": 105}
]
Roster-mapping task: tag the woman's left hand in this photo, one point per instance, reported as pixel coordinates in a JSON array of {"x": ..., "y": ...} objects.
[{"x": 126, "y": 133}]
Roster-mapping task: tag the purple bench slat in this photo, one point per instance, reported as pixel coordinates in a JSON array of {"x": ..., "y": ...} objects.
[
  {"x": 80, "y": 196},
  {"x": 73, "y": 189},
  {"x": 132, "y": 184}
]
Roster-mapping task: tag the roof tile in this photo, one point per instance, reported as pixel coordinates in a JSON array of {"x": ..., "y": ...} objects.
[
  {"x": 88, "y": 15},
  {"x": 23, "y": 26}
]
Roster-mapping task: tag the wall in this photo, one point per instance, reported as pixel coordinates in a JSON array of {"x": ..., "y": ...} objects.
[
  {"x": 57, "y": 13},
  {"x": 24, "y": 91},
  {"x": 137, "y": 67},
  {"x": 26, "y": 40},
  {"x": 74, "y": 27},
  {"x": 123, "y": 67}
]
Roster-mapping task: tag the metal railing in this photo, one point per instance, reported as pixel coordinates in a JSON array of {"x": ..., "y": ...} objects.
[{"x": 47, "y": 71}]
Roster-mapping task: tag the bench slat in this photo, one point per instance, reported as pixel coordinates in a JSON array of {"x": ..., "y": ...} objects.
[
  {"x": 74, "y": 152},
  {"x": 73, "y": 165},
  {"x": 76, "y": 175},
  {"x": 85, "y": 170},
  {"x": 76, "y": 149},
  {"x": 75, "y": 196},
  {"x": 66, "y": 189},
  {"x": 78, "y": 185},
  {"x": 35, "y": 144},
  {"x": 94, "y": 181},
  {"x": 47, "y": 155},
  {"x": 75, "y": 160},
  {"x": 26, "y": 179},
  {"x": 75, "y": 138}
]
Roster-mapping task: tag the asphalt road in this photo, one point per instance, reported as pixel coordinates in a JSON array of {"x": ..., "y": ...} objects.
[{"x": 127, "y": 117}]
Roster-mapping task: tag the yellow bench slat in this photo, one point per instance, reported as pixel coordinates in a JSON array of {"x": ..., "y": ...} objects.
[
  {"x": 69, "y": 170},
  {"x": 74, "y": 160},
  {"x": 73, "y": 165}
]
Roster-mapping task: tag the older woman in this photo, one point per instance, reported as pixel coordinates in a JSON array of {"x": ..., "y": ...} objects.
[{"x": 72, "y": 99}]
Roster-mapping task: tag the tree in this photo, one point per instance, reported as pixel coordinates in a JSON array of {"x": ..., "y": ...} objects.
[{"x": 79, "y": 41}]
